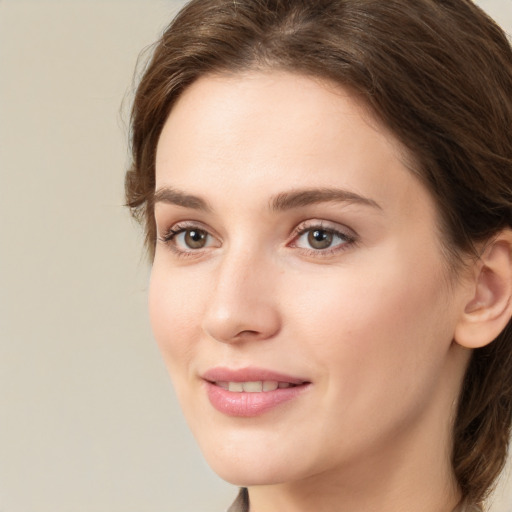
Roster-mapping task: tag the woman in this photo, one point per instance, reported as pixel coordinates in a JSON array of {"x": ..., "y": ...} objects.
[{"x": 326, "y": 188}]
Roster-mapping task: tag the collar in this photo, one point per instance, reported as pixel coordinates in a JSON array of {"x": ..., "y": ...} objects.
[{"x": 241, "y": 504}]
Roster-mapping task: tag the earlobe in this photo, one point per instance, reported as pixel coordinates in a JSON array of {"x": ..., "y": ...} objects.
[{"x": 489, "y": 308}]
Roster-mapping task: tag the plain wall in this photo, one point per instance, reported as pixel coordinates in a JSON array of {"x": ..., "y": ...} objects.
[{"x": 88, "y": 420}]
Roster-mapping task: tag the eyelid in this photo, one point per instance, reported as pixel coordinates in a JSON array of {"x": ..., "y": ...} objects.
[
  {"x": 334, "y": 227},
  {"x": 184, "y": 225}
]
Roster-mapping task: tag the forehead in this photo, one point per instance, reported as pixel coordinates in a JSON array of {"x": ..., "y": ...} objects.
[
  {"x": 264, "y": 102},
  {"x": 266, "y": 131}
]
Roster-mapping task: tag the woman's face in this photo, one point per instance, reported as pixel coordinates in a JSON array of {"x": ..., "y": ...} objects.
[{"x": 299, "y": 294}]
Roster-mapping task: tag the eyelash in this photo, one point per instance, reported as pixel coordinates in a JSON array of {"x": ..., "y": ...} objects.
[{"x": 348, "y": 239}]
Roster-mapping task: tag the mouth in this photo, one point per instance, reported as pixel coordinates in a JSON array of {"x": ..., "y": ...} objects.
[{"x": 250, "y": 392}]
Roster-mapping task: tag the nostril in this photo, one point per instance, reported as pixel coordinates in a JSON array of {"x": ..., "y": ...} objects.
[{"x": 248, "y": 333}]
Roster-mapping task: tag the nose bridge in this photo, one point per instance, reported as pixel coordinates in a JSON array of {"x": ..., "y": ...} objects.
[{"x": 242, "y": 305}]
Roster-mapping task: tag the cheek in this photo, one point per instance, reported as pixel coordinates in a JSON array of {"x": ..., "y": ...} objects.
[
  {"x": 384, "y": 329},
  {"x": 175, "y": 312}
]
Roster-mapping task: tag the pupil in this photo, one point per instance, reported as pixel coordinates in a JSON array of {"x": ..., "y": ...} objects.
[{"x": 320, "y": 239}]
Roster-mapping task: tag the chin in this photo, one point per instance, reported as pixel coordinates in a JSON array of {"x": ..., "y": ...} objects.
[
  {"x": 243, "y": 474},
  {"x": 249, "y": 463}
]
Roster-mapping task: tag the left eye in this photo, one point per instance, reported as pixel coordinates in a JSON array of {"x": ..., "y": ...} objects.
[{"x": 320, "y": 239}]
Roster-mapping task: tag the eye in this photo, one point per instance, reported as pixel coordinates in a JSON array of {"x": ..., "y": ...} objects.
[
  {"x": 186, "y": 239},
  {"x": 320, "y": 239}
]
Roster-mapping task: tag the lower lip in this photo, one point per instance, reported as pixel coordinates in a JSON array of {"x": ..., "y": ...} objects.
[{"x": 248, "y": 405}]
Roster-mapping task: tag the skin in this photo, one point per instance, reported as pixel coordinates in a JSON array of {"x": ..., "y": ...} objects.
[{"x": 369, "y": 321}]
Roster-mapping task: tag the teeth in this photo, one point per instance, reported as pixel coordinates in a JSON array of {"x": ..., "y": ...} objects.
[
  {"x": 270, "y": 385},
  {"x": 253, "y": 387}
]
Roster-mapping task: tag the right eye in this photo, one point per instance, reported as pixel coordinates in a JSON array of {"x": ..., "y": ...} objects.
[
  {"x": 187, "y": 239},
  {"x": 192, "y": 239}
]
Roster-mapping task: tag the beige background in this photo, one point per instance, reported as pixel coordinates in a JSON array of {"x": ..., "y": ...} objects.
[{"x": 88, "y": 421}]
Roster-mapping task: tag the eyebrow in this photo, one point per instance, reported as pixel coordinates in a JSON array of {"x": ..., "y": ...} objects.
[
  {"x": 307, "y": 197},
  {"x": 281, "y": 202},
  {"x": 171, "y": 195}
]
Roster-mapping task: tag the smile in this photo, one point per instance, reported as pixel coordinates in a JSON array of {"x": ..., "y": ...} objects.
[{"x": 250, "y": 392}]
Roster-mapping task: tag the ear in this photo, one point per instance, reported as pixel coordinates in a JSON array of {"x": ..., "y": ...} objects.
[{"x": 489, "y": 307}]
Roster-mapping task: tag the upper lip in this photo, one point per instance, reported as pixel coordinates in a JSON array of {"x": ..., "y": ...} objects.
[{"x": 249, "y": 374}]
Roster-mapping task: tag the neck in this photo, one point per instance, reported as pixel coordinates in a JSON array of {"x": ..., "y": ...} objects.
[{"x": 393, "y": 487}]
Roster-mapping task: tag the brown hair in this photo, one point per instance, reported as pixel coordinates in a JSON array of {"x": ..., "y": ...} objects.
[{"x": 437, "y": 73}]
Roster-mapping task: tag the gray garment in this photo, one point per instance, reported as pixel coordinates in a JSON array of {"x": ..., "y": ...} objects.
[{"x": 241, "y": 504}]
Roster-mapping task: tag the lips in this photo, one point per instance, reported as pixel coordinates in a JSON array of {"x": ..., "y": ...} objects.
[{"x": 250, "y": 392}]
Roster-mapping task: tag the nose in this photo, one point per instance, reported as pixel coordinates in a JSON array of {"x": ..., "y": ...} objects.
[{"x": 243, "y": 305}]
